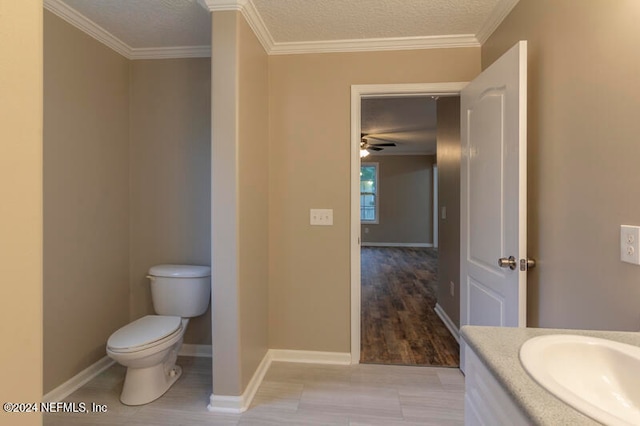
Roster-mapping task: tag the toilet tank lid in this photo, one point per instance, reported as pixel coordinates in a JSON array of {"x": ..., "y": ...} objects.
[{"x": 180, "y": 271}]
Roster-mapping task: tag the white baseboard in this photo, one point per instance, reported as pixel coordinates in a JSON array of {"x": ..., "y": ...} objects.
[
  {"x": 312, "y": 357},
  {"x": 218, "y": 403},
  {"x": 83, "y": 377},
  {"x": 189, "y": 349},
  {"x": 365, "y": 244},
  {"x": 79, "y": 380},
  {"x": 228, "y": 404},
  {"x": 447, "y": 322},
  {"x": 239, "y": 404}
]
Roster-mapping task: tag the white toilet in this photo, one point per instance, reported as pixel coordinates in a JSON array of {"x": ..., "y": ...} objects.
[{"x": 149, "y": 346}]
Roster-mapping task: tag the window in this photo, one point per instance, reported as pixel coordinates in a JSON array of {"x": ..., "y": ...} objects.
[{"x": 369, "y": 193}]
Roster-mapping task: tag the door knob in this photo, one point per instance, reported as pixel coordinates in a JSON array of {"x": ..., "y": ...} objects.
[{"x": 510, "y": 262}]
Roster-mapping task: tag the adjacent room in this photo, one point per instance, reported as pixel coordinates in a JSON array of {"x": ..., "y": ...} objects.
[{"x": 399, "y": 232}]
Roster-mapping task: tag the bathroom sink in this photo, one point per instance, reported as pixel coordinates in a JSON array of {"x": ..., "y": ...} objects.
[{"x": 598, "y": 377}]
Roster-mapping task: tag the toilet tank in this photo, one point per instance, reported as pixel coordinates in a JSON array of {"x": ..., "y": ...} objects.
[{"x": 180, "y": 290}]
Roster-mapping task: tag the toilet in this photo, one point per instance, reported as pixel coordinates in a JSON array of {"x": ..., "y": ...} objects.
[{"x": 149, "y": 346}]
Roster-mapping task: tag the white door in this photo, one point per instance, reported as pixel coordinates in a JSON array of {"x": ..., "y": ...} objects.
[{"x": 493, "y": 194}]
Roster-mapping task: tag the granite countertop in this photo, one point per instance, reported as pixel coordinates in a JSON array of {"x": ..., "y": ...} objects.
[{"x": 498, "y": 348}]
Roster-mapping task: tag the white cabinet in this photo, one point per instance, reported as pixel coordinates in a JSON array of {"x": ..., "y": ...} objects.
[{"x": 485, "y": 401}]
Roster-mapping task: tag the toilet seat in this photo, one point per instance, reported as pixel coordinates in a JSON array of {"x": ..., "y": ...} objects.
[{"x": 144, "y": 333}]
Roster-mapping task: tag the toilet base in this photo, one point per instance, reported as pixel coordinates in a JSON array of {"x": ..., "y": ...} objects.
[{"x": 144, "y": 385}]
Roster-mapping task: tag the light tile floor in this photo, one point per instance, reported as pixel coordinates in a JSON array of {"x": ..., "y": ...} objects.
[{"x": 290, "y": 394}]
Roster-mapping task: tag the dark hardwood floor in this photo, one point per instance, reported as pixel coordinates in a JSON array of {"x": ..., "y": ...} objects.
[{"x": 399, "y": 325}]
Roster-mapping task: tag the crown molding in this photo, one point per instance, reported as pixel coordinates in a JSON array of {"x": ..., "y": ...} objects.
[
  {"x": 94, "y": 30},
  {"x": 258, "y": 26},
  {"x": 253, "y": 18},
  {"x": 502, "y": 9},
  {"x": 170, "y": 52},
  {"x": 86, "y": 25},
  {"x": 375, "y": 44},
  {"x": 251, "y": 15},
  {"x": 222, "y": 5}
]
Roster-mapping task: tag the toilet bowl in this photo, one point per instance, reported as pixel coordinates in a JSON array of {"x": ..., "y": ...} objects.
[{"x": 149, "y": 346}]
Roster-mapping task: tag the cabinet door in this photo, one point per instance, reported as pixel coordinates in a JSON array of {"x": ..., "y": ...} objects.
[{"x": 486, "y": 403}]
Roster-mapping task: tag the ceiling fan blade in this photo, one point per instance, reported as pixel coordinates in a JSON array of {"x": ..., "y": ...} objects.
[
  {"x": 382, "y": 144},
  {"x": 374, "y": 148},
  {"x": 380, "y": 139}
]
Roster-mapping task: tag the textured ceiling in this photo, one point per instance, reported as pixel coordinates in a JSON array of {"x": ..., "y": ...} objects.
[
  {"x": 305, "y": 20},
  {"x": 410, "y": 122},
  {"x": 283, "y": 26},
  {"x": 180, "y": 24},
  {"x": 150, "y": 23}
]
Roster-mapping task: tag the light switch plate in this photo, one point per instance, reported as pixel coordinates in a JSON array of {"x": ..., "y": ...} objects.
[
  {"x": 629, "y": 243},
  {"x": 322, "y": 217}
]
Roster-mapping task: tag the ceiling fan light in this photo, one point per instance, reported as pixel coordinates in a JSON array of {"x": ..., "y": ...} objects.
[{"x": 363, "y": 153}]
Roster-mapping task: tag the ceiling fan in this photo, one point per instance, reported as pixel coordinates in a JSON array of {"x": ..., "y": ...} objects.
[{"x": 366, "y": 145}]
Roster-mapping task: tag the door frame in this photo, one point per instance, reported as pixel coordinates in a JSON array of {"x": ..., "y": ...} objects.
[
  {"x": 434, "y": 234},
  {"x": 359, "y": 92}
]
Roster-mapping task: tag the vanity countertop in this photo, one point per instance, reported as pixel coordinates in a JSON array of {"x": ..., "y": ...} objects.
[{"x": 498, "y": 348}]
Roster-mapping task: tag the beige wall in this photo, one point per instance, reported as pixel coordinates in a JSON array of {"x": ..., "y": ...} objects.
[
  {"x": 253, "y": 203},
  {"x": 224, "y": 223},
  {"x": 309, "y": 162},
  {"x": 86, "y": 198},
  {"x": 405, "y": 191},
  {"x": 584, "y": 96},
  {"x": 126, "y": 186},
  {"x": 239, "y": 208},
  {"x": 448, "y": 142},
  {"x": 170, "y": 175},
  {"x": 21, "y": 207}
]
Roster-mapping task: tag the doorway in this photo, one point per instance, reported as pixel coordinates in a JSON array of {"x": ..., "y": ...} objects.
[{"x": 419, "y": 263}]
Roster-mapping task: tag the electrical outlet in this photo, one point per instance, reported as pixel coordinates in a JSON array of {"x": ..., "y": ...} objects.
[
  {"x": 323, "y": 217},
  {"x": 629, "y": 238},
  {"x": 452, "y": 288}
]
